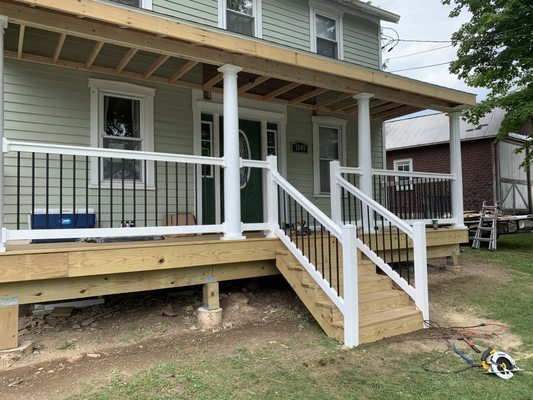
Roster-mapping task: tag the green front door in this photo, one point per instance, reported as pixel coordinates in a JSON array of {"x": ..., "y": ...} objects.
[{"x": 250, "y": 178}]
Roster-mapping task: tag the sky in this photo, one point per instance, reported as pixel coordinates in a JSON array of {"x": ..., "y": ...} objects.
[{"x": 424, "y": 20}]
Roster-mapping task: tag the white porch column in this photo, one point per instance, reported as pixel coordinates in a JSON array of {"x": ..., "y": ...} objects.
[
  {"x": 364, "y": 142},
  {"x": 456, "y": 168},
  {"x": 3, "y": 26},
  {"x": 232, "y": 185}
]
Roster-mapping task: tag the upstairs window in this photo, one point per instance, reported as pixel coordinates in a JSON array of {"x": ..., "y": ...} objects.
[
  {"x": 241, "y": 16},
  {"x": 326, "y": 34},
  {"x": 404, "y": 182},
  {"x": 146, "y": 4}
]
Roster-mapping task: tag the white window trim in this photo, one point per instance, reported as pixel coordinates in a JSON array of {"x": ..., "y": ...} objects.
[
  {"x": 396, "y": 163},
  {"x": 321, "y": 9},
  {"x": 258, "y": 16},
  {"x": 147, "y": 4},
  {"x": 100, "y": 87},
  {"x": 326, "y": 122}
]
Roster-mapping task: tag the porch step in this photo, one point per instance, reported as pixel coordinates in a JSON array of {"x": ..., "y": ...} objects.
[{"x": 384, "y": 311}]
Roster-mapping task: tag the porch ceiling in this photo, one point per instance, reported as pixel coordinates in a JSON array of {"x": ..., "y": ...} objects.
[{"x": 82, "y": 34}]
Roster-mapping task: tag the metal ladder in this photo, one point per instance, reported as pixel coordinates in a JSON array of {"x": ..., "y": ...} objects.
[{"x": 488, "y": 222}]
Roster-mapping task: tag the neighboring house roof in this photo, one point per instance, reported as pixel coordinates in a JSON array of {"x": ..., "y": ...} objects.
[{"x": 433, "y": 129}]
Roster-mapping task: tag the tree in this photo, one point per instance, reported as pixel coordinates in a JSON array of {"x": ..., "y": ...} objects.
[{"x": 495, "y": 50}]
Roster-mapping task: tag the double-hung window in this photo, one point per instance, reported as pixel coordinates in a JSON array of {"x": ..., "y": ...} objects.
[
  {"x": 328, "y": 145},
  {"x": 326, "y": 33},
  {"x": 404, "y": 182},
  {"x": 146, "y": 4},
  {"x": 121, "y": 119},
  {"x": 241, "y": 16}
]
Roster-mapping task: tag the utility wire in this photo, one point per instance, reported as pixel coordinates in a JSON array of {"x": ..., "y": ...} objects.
[
  {"x": 421, "y": 52},
  {"x": 421, "y": 67}
]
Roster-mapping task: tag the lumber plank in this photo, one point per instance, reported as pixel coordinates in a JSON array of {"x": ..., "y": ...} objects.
[
  {"x": 28, "y": 267},
  {"x": 9, "y": 314}
]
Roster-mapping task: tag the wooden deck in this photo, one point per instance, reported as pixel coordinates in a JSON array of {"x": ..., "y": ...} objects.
[{"x": 36, "y": 273}]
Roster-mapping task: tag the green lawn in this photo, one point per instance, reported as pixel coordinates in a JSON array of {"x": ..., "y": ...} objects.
[{"x": 318, "y": 368}]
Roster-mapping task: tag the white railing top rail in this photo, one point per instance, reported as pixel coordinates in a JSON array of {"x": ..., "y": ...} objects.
[
  {"x": 50, "y": 148},
  {"x": 304, "y": 202},
  {"x": 388, "y": 172},
  {"x": 374, "y": 205},
  {"x": 254, "y": 163},
  {"x": 351, "y": 170}
]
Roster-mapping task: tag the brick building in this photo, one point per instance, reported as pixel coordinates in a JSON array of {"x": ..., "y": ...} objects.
[{"x": 491, "y": 170}]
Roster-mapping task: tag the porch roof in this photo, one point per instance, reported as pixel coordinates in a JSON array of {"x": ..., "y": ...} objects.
[{"x": 170, "y": 49}]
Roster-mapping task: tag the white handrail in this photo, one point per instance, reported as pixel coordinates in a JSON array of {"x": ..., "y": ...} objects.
[
  {"x": 304, "y": 202},
  {"x": 254, "y": 163},
  {"x": 350, "y": 170},
  {"x": 374, "y": 205},
  {"x": 50, "y": 148},
  {"x": 408, "y": 174}
]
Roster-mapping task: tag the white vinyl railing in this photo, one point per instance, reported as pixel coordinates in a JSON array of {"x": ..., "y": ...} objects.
[{"x": 387, "y": 240}]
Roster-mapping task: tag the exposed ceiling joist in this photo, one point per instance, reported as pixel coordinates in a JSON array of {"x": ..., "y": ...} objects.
[
  {"x": 155, "y": 65},
  {"x": 332, "y": 100},
  {"x": 182, "y": 71},
  {"x": 278, "y": 92},
  {"x": 213, "y": 81},
  {"x": 309, "y": 95},
  {"x": 94, "y": 53},
  {"x": 20, "y": 47},
  {"x": 59, "y": 47},
  {"x": 250, "y": 85},
  {"x": 125, "y": 60}
]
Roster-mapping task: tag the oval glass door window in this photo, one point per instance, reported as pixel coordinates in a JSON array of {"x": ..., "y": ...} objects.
[{"x": 244, "y": 153}]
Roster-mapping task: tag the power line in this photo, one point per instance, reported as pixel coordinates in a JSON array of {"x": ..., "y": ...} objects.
[
  {"x": 420, "y": 52},
  {"x": 421, "y": 67}
]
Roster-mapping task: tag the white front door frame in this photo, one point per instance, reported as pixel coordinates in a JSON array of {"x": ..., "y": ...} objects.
[{"x": 251, "y": 110}]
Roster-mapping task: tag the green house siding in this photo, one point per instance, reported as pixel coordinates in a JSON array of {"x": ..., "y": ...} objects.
[
  {"x": 48, "y": 104},
  {"x": 300, "y": 171},
  {"x": 202, "y": 12},
  {"x": 361, "y": 41},
  {"x": 287, "y": 23}
]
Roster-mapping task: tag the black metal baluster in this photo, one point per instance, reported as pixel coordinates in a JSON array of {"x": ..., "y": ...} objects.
[
  {"x": 302, "y": 221},
  {"x": 74, "y": 214},
  {"x": 337, "y": 266},
  {"x": 156, "y": 211},
  {"x": 87, "y": 191},
  {"x": 285, "y": 212},
  {"x": 33, "y": 190},
  {"x": 111, "y": 192},
  {"x": 177, "y": 190},
  {"x": 383, "y": 238},
  {"x": 368, "y": 227},
  {"x": 329, "y": 259},
  {"x": 322, "y": 247},
  {"x": 145, "y": 193},
  {"x": 122, "y": 194},
  {"x": 343, "y": 205},
  {"x": 296, "y": 222},
  {"x": 47, "y": 190},
  {"x": 18, "y": 190},
  {"x": 99, "y": 192},
  {"x": 350, "y": 206},
  {"x": 186, "y": 194},
  {"x": 308, "y": 238},
  {"x": 399, "y": 249},
  {"x": 314, "y": 238},
  {"x": 290, "y": 218},
  {"x": 166, "y": 193},
  {"x": 391, "y": 246}
]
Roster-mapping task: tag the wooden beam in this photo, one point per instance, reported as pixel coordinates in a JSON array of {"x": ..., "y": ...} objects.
[
  {"x": 342, "y": 107},
  {"x": 231, "y": 45},
  {"x": 250, "y": 85},
  {"x": 20, "y": 47},
  {"x": 94, "y": 53},
  {"x": 278, "y": 92},
  {"x": 59, "y": 47},
  {"x": 324, "y": 74},
  {"x": 332, "y": 100},
  {"x": 182, "y": 71},
  {"x": 125, "y": 60},
  {"x": 101, "y": 285},
  {"x": 308, "y": 95},
  {"x": 383, "y": 108},
  {"x": 213, "y": 81},
  {"x": 155, "y": 65},
  {"x": 396, "y": 112}
]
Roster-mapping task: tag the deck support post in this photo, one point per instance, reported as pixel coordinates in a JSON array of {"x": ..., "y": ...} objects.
[
  {"x": 9, "y": 319},
  {"x": 351, "y": 286},
  {"x": 232, "y": 185},
  {"x": 272, "y": 197},
  {"x": 335, "y": 192},
  {"x": 456, "y": 169},
  {"x": 210, "y": 314},
  {"x": 421, "y": 268},
  {"x": 364, "y": 147},
  {"x": 3, "y": 26}
]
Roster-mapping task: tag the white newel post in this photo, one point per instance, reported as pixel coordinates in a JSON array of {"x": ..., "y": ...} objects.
[
  {"x": 421, "y": 268},
  {"x": 364, "y": 142},
  {"x": 335, "y": 192},
  {"x": 272, "y": 197},
  {"x": 232, "y": 185},
  {"x": 456, "y": 168},
  {"x": 3, "y": 26},
  {"x": 351, "y": 286}
]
